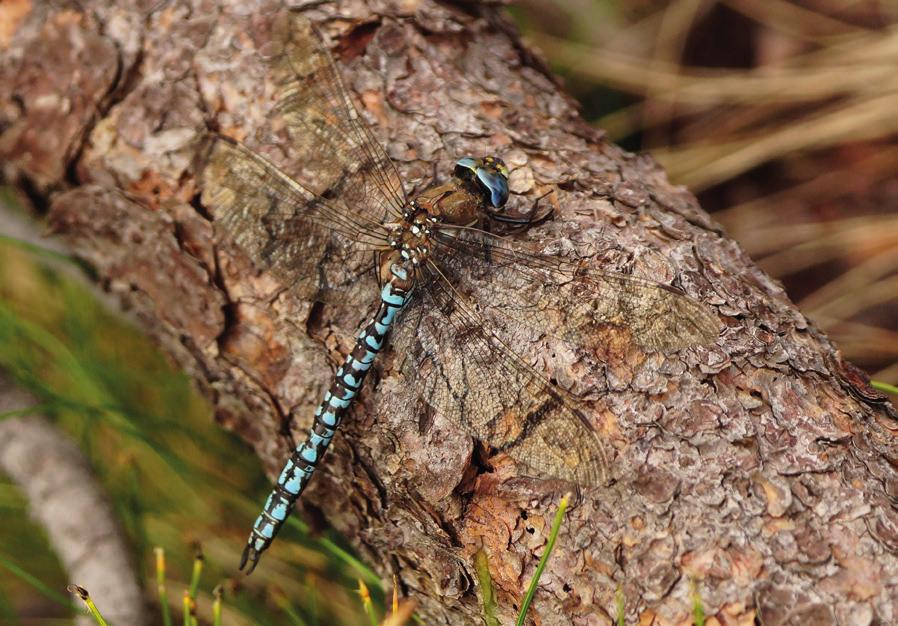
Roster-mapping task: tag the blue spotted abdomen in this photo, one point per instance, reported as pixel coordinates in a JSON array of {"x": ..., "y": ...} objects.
[{"x": 301, "y": 465}]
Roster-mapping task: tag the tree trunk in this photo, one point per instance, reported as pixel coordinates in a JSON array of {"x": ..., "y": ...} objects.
[{"x": 763, "y": 468}]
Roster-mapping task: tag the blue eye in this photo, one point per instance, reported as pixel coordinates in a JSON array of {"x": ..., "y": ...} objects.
[
  {"x": 497, "y": 185},
  {"x": 492, "y": 174}
]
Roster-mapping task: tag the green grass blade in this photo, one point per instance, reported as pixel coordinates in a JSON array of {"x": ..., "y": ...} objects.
[
  {"x": 553, "y": 535},
  {"x": 196, "y": 573},
  {"x": 7, "y": 615},
  {"x": 283, "y": 603},
  {"x": 37, "y": 584},
  {"x": 362, "y": 570},
  {"x": 38, "y": 250},
  {"x": 365, "y": 595},
  {"x": 31, "y": 410},
  {"x": 885, "y": 387},
  {"x": 216, "y": 605},
  {"x": 186, "y": 604},
  {"x": 620, "y": 605},
  {"x": 698, "y": 607},
  {"x": 160, "y": 587},
  {"x": 81, "y": 592},
  {"x": 481, "y": 566}
]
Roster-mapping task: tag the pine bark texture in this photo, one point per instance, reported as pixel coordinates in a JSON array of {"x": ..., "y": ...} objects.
[{"x": 763, "y": 468}]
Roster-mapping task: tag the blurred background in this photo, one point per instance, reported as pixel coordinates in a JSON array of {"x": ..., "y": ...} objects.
[{"x": 781, "y": 115}]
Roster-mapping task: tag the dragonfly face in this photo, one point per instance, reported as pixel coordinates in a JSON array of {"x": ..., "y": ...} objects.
[{"x": 477, "y": 188}]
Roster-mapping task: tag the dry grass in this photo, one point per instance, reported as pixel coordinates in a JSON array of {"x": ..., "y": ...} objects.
[{"x": 782, "y": 116}]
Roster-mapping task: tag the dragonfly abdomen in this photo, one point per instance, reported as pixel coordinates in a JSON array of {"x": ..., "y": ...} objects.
[{"x": 305, "y": 457}]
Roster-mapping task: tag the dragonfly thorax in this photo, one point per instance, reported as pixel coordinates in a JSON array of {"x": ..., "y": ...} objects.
[
  {"x": 411, "y": 237},
  {"x": 410, "y": 247}
]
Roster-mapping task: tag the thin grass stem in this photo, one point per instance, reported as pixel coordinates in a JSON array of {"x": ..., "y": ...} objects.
[
  {"x": 885, "y": 387},
  {"x": 482, "y": 569},
  {"x": 196, "y": 572},
  {"x": 553, "y": 535},
  {"x": 36, "y": 584},
  {"x": 365, "y": 595},
  {"x": 160, "y": 586},
  {"x": 81, "y": 592},
  {"x": 216, "y": 605}
]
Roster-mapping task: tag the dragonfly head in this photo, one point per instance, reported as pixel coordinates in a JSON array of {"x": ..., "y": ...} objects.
[{"x": 490, "y": 175}]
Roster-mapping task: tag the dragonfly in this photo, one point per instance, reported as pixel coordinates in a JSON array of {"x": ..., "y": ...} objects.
[{"x": 442, "y": 277}]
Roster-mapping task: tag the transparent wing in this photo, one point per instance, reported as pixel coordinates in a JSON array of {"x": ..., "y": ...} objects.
[
  {"x": 468, "y": 374},
  {"x": 457, "y": 342},
  {"x": 311, "y": 244},
  {"x": 324, "y": 125},
  {"x": 571, "y": 301}
]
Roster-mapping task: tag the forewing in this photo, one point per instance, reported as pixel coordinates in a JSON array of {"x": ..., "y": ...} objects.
[
  {"x": 469, "y": 375},
  {"x": 321, "y": 119},
  {"x": 308, "y": 242},
  {"x": 572, "y": 301}
]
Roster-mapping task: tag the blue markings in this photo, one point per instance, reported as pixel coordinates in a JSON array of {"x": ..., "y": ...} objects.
[
  {"x": 280, "y": 512},
  {"x": 497, "y": 184},
  {"x": 387, "y": 295},
  {"x": 398, "y": 271},
  {"x": 329, "y": 419},
  {"x": 309, "y": 454},
  {"x": 389, "y": 316},
  {"x": 340, "y": 403},
  {"x": 349, "y": 379},
  {"x": 277, "y": 507},
  {"x": 320, "y": 440},
  {"x": 469, "y": 163},
  {"x": 367, "y": 360},
  {"x": 264, "y": 527},
  {"x": 293, "y": 484},
  {"x": 350, "y": 382}
]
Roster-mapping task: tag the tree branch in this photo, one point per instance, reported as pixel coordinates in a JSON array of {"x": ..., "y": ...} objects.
[{"x": 760, "y": 466}]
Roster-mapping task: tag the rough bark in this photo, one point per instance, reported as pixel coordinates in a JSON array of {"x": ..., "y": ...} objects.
[{"x": 763, "y": 467}]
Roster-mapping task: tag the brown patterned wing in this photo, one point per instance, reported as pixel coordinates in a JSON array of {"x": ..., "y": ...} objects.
[
  {"x": 569, "y": 301},
  {"x": 311, "y": 244},
  {"x": 470, "y": 376},
  {"x": 314, "y": 230},
  {"x": 324, "y": 125},
  {"x": 459, "y": 342}
]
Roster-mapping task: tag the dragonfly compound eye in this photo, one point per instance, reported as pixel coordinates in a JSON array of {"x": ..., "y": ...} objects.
[{"x": 491, "y": 174}]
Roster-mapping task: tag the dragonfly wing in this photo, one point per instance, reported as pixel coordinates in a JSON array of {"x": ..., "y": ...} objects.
[
  {"x": 311, "y": 244},
  {"x": 470, "y": 376},
  {"x": 570, "y": 301},
  {"x": 319, "y": 114}
]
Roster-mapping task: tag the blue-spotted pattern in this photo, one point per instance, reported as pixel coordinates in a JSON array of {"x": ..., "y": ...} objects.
[{"x": 349, "y": 379}]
